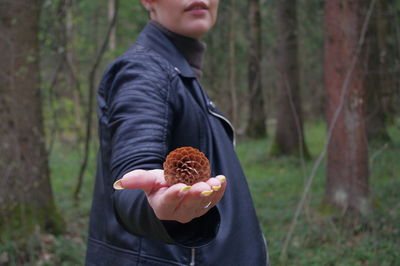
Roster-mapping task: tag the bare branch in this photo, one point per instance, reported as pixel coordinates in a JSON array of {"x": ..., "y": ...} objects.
[{"x": 89, "y": 115}]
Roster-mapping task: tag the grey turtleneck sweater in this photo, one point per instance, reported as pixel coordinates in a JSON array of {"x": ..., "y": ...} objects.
[{"x": 192, "y": 50}]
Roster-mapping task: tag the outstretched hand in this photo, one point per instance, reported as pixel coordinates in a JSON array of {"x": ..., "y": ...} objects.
[{"x": 178, "y": 202}]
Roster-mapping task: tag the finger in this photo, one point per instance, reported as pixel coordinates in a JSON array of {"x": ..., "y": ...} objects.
[
  {"x": 166, "y": 201},
  {"x": 214, "y": 183},
  {"x": 200, "y": 199},
  {"x": 217, "y": 196},
  {"x": 221, "y": 178},
  {"x": 197, "y": 197},
  {"x": 201, "y": 189},
  {"x": 218, "y": 184},
  {"x": 142, "y": 179}
]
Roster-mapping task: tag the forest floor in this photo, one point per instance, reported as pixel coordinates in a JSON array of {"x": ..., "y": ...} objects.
[
  {"x": 277, "y": 184},
  {"x": 320, "y": 237}
]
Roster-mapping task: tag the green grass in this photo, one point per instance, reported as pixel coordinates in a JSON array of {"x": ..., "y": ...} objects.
[
  {"x": 70, "y": 248},
  {"x": 320, "y": 239},
  {"x": 277, "y": 185}
]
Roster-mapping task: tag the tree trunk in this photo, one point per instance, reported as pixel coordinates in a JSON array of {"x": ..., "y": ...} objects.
[
  {"x": 256, "y": 127},
  {"x": 113, "y": 35},
  {"x": 232, "y": 64},
  {"x": 347, "y": 163},
  {"x": 378, "y": 74},
  {"x": 72, "y": 69},
  {"x": 289, "y": 138},
  {"x": 26, "y": 198}
]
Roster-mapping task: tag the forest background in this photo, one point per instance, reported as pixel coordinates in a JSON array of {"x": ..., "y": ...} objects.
[{"x": 311, "y": 86}]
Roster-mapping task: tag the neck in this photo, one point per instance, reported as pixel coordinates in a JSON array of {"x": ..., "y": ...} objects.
[{"x": 192, "y": 49}]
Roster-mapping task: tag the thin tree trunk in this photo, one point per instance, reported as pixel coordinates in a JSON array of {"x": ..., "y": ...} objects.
[
  {"x": 378, "y": 74},
  {"x": 289, "y": 137},
  {"x": 256, "y": 127},
  {"x": 232, "y": 64},
  {"x": 26, "y": 198},
  {"x": 72, "y": 67},
  {"x": 113, "y": 34},
  {"x": 89, "y": 115},
  {"x": 347, "y": 165}
]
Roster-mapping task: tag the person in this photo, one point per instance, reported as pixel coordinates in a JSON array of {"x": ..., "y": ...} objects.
[{"x": 150, "y": 101}]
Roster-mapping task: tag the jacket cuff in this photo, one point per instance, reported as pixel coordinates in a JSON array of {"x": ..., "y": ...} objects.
[
  {"x": 139, "y": 219},
  {"x": 196, "y": 233}
]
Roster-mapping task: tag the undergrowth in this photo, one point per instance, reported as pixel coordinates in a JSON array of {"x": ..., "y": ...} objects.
[
  {"x": 321, "y": 238},
  {"x": 276, "y": 185}
]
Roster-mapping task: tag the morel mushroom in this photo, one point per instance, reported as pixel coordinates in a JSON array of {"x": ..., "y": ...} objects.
[{"x": 186, "y": 165}]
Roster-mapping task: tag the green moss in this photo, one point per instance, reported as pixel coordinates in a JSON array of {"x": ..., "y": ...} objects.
[
  {"x": 22, "y": 220},
  {"x": 275, "y": 150},
  {"x": 327, "y": 210}
]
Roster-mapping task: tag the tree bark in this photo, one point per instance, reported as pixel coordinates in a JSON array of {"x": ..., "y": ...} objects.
[
  {"x": 347, "y": 164},
  {"x": 256, "y": 127},
  {"x": 289, "y": 137},
  {"x": 26, "y": 198}
]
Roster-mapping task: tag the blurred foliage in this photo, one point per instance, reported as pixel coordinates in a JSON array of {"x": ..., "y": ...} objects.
[{"x": 77, "y": 28}]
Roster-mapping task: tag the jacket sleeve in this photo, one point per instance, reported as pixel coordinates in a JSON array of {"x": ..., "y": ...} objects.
[{"x": 140, "y": 119}]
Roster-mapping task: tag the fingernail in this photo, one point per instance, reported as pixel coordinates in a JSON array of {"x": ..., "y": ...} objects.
[
  {"x": 206, "y": 193},
  {"x": 222, "y": 178},
  {"x": 216, "y": 188},
  {"x": 183, "y": 191},
  {"x": 185, "y": 188},
  {"x": 118, "y": 185}
]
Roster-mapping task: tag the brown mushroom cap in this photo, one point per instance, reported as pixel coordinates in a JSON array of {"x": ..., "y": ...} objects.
[{"x": 186, "y": 165}]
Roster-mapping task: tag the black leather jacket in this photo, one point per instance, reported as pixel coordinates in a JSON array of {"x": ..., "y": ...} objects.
[{"x": 149, "y": 103}]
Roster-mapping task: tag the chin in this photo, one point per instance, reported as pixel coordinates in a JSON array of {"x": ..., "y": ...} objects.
[{"x": 198, "y": 30}]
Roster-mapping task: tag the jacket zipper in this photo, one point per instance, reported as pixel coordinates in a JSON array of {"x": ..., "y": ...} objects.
[
  {"x": 210, "y": 103},
  {"x": 225, "y": 119},
  {"x": 192, "y": 262}
]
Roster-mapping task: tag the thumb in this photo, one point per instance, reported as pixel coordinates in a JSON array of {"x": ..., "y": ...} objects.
[{"x": 141, "y": 179}]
